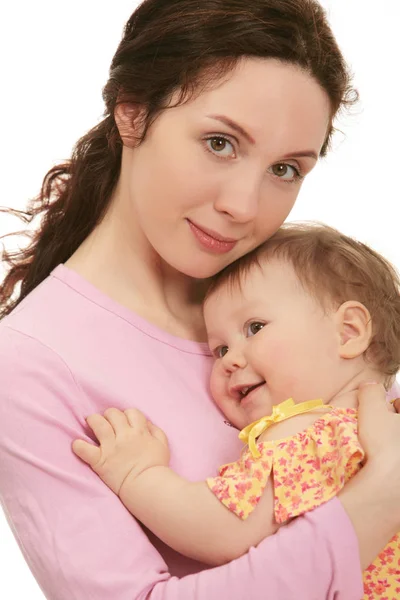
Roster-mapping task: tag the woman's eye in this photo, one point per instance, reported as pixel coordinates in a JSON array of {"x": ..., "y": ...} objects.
[
  {"x": 286, "y": 172},
  {"x": 220, "y": 351},
  {"x": 254, "y": 328},
  {"x": 220, "y": 146}
]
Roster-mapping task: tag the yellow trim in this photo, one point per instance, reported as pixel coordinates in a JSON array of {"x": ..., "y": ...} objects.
[{"x": 280, "y": 412}]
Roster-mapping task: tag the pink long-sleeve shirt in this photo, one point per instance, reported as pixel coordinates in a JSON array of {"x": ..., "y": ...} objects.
[{"x": 68, "y": 351}]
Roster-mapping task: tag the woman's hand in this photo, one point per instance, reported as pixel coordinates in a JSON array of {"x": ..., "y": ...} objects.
[
  {"x": 396, "y": 404},
  {"x": 379, "y": 428},
  {"x": 379, "y": 434},
  {"x": 128, "y": 445},
  {"x": 373, "y": 495}
]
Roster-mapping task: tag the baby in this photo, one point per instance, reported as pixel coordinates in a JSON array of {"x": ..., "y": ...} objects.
[{"x": 294, "y": 328}]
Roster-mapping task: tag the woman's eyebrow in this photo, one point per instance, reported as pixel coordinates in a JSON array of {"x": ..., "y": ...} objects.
[
  {"x": 239, "y": 129},
  {"x": 302, "y": 154},
  {"x": 233, "y": 125}
]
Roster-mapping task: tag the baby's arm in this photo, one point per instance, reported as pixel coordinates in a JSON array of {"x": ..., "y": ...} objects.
[{"x": 132, "y": 459}]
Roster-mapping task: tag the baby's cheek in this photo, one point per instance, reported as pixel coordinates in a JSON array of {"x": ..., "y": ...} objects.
[
  {"x": 272, "y": 354},
  {"x": 279, "y": 363}
]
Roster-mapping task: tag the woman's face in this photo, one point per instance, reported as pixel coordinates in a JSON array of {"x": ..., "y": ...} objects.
[{"x": 218, "y": 175}]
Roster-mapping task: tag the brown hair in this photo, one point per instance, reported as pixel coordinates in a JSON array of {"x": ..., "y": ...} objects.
[
  {"x": 167, "y": 45},
  {"x": 334, "y": 268}
]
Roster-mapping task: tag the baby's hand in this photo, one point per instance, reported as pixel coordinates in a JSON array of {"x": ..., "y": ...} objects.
[{"x": 128, "y": 445}]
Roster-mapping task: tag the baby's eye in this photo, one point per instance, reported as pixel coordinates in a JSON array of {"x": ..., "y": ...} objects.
[
  {"x": 253, "y": 328},
  {"x": 220, "y": 351}
]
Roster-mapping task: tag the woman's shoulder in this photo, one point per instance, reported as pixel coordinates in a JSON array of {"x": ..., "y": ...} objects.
[
  {"x": 38, "y": 336},
  {"x": 36, "y": 386},
  {"x": 46, "y": 308},
  {"x": 27, "y": 364}
]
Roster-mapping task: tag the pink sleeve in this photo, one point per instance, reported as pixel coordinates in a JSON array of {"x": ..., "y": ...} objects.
[{"x": 81, "y": 543}]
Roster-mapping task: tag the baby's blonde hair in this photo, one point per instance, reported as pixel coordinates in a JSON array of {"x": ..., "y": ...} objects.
[{"x": 335, "y": 268}]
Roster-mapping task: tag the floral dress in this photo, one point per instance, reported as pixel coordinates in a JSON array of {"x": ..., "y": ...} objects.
[{"x": 308, "y": 469}]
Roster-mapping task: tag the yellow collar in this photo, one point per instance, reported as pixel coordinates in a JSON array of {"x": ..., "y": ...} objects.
[{"x": 280, "y": 412}]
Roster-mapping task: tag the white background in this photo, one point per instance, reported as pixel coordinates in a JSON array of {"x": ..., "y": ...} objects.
[{"x": 54, "y": 60}]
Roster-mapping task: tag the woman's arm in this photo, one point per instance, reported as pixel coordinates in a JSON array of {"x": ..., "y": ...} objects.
[
  {"x": 80, "y": 541},
  {"x": 366, "y": 499},
  {"x": 373, "y": 495}
]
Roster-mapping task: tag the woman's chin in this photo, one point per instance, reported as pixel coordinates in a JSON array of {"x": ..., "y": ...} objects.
[{"x": 198, "y": 267}]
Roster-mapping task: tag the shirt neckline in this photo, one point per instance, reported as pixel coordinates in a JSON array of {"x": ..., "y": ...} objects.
[{"x": 83, "y": 287}]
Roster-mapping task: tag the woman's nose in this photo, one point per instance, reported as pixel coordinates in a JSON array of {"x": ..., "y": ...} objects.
[{"x": 239, "y": 200}]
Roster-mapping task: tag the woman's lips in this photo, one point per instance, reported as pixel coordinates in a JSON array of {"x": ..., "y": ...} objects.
[{"x": 211, "y": 240}]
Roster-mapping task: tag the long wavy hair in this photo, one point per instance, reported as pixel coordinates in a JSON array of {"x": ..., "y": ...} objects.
[{"x": 167, "y": 46}]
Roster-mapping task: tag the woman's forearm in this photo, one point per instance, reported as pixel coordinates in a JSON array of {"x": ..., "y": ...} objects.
[{"x": 372, "y": 512}]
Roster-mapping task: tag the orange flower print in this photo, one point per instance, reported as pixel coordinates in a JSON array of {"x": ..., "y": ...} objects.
[
  {"x": 241, "y": 489},
  {"x": 298, "y": 473},
  {"x": 221, "y": 489},
  {"x": 281, "y": 514},
  {"x": 254, "y": 500},
  {"x": 248, "y": 462},
  {"x": 308, "y": 469},
  {"x": 381, "y": 586},
  {"x": 315, "y": 463}
]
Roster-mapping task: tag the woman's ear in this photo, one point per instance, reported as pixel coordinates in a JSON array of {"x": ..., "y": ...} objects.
[
  {"x": 130, "y": 122},
  {"x": 354, "y": 328}
]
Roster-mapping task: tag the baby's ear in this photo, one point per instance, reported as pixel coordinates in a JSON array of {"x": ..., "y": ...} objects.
[{"x": 354, "y": 328}]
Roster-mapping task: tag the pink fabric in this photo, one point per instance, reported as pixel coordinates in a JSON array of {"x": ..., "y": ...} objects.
[{"x": 68, "y": 351}]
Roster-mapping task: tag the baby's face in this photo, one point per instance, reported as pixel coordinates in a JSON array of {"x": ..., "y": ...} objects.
[{"x": 271, "y": 341}]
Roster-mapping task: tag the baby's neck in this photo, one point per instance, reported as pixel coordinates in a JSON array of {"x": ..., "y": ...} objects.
[{"x": 346, "y": 397}]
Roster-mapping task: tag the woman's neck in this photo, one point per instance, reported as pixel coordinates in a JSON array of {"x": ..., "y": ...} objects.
[{"x": 119, "y": 261}]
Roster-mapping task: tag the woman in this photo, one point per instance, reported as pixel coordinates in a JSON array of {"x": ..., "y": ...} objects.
[{"x": 187, "y": 172}]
